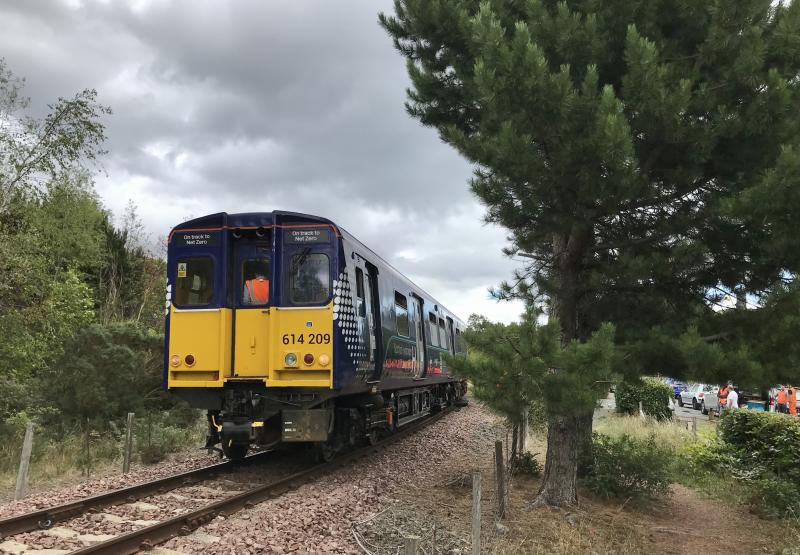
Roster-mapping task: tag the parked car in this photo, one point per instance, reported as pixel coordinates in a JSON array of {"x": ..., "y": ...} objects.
[
  {"x": 695, "y": 395},
  {"x": 710, "y": 400},
  {"x": 676, "y": 386}
]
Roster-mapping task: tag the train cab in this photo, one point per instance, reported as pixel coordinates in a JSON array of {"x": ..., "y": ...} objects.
[{"x": 277, "y": 322}]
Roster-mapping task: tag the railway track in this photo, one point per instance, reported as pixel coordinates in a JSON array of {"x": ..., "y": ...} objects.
[
  {"x": 147, "y": 537},
  {"x": 48, "y": 517}
]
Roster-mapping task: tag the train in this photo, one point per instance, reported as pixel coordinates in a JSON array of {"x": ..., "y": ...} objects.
[{"x": 286, "y": 329}]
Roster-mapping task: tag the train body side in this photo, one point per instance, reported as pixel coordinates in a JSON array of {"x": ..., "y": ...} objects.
[{"x": 339, "y": 327}]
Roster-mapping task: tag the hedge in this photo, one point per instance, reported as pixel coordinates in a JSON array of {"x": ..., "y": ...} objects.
[
  {"x": 769, "y": 439},
  {"x": 653, "y": 393}
]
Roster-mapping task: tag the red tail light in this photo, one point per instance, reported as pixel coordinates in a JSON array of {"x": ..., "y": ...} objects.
[{"x": 309, "y": 359}]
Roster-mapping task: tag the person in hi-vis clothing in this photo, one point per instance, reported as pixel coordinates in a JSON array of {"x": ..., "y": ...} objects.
[{"x": 256, "y": 290}]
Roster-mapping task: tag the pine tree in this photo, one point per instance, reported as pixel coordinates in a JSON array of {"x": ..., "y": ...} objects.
[{"x": 634, "y": 149}]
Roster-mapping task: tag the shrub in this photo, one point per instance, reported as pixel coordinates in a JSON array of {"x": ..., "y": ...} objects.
[
  {"x": 769, "y": 440},
  {"x": 527, "y": 463},
  {"x": 653, "y": 393},
  {"x": 628, "y": 467},
  {"x": 756, "y": 456},
  {"x": 776, "y": 498},
  {"x": 160, "y": 434}
]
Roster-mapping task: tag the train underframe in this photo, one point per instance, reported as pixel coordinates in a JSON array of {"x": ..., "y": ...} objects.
[{"x": 324, "y": 421}]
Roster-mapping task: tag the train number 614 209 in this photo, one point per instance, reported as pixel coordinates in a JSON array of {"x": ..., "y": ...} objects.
[{"x": 303, "y": 338}]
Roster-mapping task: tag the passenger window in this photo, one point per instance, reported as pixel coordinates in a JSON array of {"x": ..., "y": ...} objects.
[
  {"x": 255, "y": 281},
  {"x": 309, "y": 278},
  {"x": 401, "y": 310},
  {"x": 434, "y": 330},
  {"x": 442, "y": 334},
  {"x": 194, "y": 282},
  {"x": 360, "y": 299}
]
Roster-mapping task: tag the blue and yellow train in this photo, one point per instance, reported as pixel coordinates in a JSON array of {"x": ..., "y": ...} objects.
[{"x": 285, "y": 327}]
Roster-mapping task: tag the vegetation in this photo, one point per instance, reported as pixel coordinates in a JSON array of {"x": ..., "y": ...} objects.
[
  {"x": 643, "y": 157},
  {"x": 653, "y": 393},
  {"x": 753, "y": 459},
  {"x": 81, "y": 310},
  {"x": 626, "y": 466}
]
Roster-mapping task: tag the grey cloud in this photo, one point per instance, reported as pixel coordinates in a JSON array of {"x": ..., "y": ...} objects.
[{"x": 263, "y": 105}]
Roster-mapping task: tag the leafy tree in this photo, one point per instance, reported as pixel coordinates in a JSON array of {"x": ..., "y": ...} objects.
[
  {"x": 506, "y": 365},
  {"x": 106, "y": 372},
  {"x": 33, "y": 149},
  {"x": 512, "y": 366},
  {"x": 643, "y": 154}
]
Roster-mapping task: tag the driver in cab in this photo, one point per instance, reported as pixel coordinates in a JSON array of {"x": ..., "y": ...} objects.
[{"x": 256, "y": 289}]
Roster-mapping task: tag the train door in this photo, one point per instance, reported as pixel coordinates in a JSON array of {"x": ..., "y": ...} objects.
[
  {"x": 451, "y": 335},
  {"x": 252, "y": 274},
  {"x": 369, "y": 301},
  {"x": 419, "y": 327}
]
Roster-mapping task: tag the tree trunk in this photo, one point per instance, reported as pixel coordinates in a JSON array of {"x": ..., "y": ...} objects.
[
  {"x": 559, "y": 485},
  {"x": 566, "y": 432},
  {"x": 584, "y": 423},
  {"x": 514, "y": 434}
]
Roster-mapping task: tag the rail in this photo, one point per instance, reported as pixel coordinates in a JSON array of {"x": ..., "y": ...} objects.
[
  {"x": 45, "y": 518},
  {"x": 148, "y": 537}
]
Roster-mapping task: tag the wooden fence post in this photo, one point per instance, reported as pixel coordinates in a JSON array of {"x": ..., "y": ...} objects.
[
  {"x": 500, "y": 479},
  {"x": 476, "y": 513},
  {"x": 128, "y": 451},
  {"x": 411, "y": 545},
  {"x": 87, "y": 444},
  {"x": 694, "y": 426},
  {"x": 24, "y": 463},
  {"x": 641, "y": 409}
]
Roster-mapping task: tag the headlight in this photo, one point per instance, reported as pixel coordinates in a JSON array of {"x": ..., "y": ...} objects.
[
  {"x": 290, "y": 359},
  {"x": 324, "y": 360}
]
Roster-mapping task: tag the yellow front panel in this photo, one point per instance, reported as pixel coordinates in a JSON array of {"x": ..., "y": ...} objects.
[
  {"x": 302, "y": 331},
  {"x": 252, "y": 343},
  {"x": 206, "y": 335}
]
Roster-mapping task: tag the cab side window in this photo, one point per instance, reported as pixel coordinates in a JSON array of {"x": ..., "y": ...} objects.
[
  {"x": 194, "y": 282},
  {"x": 360, "y": 299}
]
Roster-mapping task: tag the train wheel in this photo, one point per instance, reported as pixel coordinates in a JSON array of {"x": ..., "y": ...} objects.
[
  {"x": 325, "y": 451},
  {"x": 372, "y": 436},
  {"x": 235, "y": 451}
]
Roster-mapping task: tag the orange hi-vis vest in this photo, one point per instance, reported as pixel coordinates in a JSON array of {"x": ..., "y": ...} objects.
[
  {"x": 793, "y": 401},
  {"x": 723, "y": 395},
  {"x": 781, "y": 396},
  {"x": 258, "y": 289}
]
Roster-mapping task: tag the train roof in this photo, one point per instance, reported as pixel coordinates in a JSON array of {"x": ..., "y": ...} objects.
[{"x": 223, "y": 220}]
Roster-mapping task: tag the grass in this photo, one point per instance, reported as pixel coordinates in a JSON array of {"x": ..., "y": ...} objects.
[
  {"x": 670, "y": 433},
  {"x": 62, "y": 460}
]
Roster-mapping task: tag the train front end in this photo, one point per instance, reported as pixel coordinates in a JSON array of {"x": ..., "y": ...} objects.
[{"x": 249, "y": 334}]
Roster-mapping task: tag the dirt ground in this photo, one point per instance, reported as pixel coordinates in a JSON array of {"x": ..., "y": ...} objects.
[{"x": 686, "y": 521}]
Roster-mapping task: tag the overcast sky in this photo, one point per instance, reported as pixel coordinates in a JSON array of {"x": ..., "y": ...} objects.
[{"x": 262, "y": 105}]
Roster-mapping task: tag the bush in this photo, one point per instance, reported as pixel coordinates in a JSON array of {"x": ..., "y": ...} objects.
[
  {"x": 770, "y": 440},
  {"x": 527, "y": 463},
  {"x": 776, "y": 498},
  {"x": 628, "y": 467},
  {"x": 756, "y": 456},
  {"x": 653, "y": 393},
  {"x": 157, "y": 435}
]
